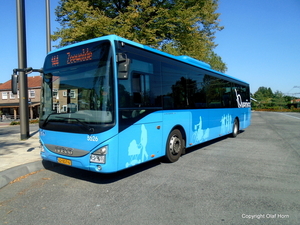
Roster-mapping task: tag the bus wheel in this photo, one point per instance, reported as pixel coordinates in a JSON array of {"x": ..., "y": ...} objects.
[
  {"x": 175, "y": 145},
  {"x": 235, "y": 128}
]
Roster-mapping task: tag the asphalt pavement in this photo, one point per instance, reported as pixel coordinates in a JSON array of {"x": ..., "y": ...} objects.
[
  {"x": 21, "y": 157},
  {"x": 251, "y": 179},
  {"x": 18, "y": 157}
]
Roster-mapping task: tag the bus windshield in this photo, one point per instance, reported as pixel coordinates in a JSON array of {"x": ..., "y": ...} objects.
[{"x": 78, "y": 98}]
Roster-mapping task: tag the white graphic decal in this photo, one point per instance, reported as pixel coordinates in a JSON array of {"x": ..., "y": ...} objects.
[
  {"x": 137, "y": 152},
  {"x": 240, "y": 102},
  {"x": 42, "y": 132},
  {"x": 200, "y": 134},
  {"x": 226, "y": 124}
]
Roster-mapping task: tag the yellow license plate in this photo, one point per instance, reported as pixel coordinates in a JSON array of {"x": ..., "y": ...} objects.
[{"x": 64, "y": 161}]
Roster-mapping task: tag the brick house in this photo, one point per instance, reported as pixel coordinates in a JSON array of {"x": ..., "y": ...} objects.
[
  {"x": 296, "y": 100},
  {"x": 295, "y": 103},
  {"x": 9, "y": 103}
]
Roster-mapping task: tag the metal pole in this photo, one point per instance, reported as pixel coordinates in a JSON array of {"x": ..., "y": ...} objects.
[
  {"x": 48, "y": 39},
  {"x": 22, "y": 59}
]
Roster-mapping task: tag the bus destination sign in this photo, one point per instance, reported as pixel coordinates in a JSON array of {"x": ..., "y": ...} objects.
[
  {"x": 70, "y": 57},
  {"x": 76, "y": 55}
]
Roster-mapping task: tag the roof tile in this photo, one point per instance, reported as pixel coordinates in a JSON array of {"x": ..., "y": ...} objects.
[{"x": 33, "y": 82}]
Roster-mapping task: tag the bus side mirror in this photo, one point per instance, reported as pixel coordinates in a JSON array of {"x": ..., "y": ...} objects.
[
  {"x": 14, "y": 84},
  {"x": 123, "y": 67}
]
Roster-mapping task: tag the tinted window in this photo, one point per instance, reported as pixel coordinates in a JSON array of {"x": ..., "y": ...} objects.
[
  {"x": 174, "y": 87},
  {"x": 139, "y": 94},
  {"x": 240, "y": 93},
  {"x": 183, "y": 86}
]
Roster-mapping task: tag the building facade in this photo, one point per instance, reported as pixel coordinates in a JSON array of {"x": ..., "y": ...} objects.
[{"x": 9, "y": 103}]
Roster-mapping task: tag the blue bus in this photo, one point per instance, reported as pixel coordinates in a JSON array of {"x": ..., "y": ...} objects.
[{"x": 109, "y": 103}]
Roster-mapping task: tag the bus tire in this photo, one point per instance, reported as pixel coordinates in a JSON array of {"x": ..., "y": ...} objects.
[
  {"x": 235, "y": 128},
  {"x": 174, "y": 146}
]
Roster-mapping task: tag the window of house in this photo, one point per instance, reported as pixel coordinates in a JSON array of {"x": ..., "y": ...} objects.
[
  {"x": 4, "y": 95},
  {"x": 12, "y": 96},
  {"x": 31, "y": 93},
  {"x": 72, "y": 94},
  {"x": 64, "y": 108}
]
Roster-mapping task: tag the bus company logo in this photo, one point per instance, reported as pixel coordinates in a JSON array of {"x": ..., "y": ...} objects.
[
  {"x": 55, "y": 60},
  {"x": 85, "y": 55},
  {"x": 240, "y": 102},
  {"x": 63, "y": 150},
  {"x": 42, "y": 132}
]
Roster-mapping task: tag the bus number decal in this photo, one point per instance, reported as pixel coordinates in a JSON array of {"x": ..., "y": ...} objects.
[{"x": 92, "y": 138}]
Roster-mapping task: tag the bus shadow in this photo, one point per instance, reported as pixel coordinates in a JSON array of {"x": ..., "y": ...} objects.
[
  {"x": 201, "y": 146},
  {"x": 100, "y": 178}
]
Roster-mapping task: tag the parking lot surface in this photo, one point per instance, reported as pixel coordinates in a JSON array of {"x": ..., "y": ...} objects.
[{"x": 251, "y": 179}]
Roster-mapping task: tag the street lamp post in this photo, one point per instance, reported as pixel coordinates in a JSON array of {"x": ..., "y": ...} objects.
[
  {"x": 48, "y": 38},
  {"x": 22, "y": 62}
]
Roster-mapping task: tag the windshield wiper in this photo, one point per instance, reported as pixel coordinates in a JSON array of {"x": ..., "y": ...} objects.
[
  {"x": 87, "y": 127},
  {"x": 47, "y": 118}
]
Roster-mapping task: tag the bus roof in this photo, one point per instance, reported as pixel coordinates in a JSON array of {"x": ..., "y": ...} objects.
[{"x": 183, "y": 58}]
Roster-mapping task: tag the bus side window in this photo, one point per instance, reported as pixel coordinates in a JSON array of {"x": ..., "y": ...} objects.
[
  {"x": 136, "y": 89},
  {"x": 225, "y": 91},
  {"x": 141, "y": 90}
]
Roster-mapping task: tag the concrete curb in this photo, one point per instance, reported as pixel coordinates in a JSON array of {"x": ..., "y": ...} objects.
[{"x": 11, "y": 174}]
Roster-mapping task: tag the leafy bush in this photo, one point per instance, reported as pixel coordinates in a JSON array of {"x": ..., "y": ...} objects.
[
  {"x": 15, "y": 123},
  {"x": 30, "y": 121},
  {"x": 278, "y": 110},
  {"x": 34, "y": 121}
]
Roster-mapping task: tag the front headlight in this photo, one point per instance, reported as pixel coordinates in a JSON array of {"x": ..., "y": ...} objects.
[
  {"x": 99, "y": 156},
  {"x": 42, "y": 147}
]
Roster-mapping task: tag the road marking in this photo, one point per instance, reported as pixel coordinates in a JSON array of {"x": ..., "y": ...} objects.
[{"x": 289, "y": 115}]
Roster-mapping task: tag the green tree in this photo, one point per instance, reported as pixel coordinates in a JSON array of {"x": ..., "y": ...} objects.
[
  {"x": 279, "y": 100},
  {"x": 266, "y": 99},
  {"x": 264, "y": 92},
  {"x": 264, "y": 96},
  {"x": 179, "y": 27}
]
